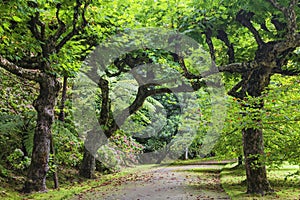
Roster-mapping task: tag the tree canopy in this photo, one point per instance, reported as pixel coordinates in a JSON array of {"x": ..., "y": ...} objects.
[{"x": 252, "y": 47}]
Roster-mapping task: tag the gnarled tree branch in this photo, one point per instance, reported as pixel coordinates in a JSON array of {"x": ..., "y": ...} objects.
[
  {"x": 244, "y": 18},
  {"x": 208, "y": 35},
  {"x": 290, "y": 15},
  {"x": 222, "y": 35},
  {"x": 62, "y": 25},
  {"x": 19, "y": 71},
  {"x": 76, "y": 28}
]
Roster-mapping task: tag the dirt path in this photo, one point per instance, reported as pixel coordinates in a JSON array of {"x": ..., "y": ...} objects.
[{"x": 189, "y": 182}]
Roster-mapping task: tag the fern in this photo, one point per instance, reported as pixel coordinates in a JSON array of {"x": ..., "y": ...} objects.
[{"x": 28, "y": 141}]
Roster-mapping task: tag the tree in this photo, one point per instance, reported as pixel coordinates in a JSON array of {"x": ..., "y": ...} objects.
[
  {"x": 273, "y": 27},
  {"x": 34, "y": 36},
  {"x": 150, "y": 80}
]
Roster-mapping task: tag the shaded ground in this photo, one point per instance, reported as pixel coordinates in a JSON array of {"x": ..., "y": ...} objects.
[{"x": 189, "y": 182}]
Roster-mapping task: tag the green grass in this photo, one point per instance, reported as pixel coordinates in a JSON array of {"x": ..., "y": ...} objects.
[
  {"x": 196, "y": 161},
  {"x": 68, "y": 186},
  {"x": 232, "y": 180}
]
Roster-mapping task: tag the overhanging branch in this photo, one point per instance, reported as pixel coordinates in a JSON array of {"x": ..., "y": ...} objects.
[
  {"x": 244, "y": 18},
  {"x": 238, "y": 67},
  {"x": 21, "y": 72}
]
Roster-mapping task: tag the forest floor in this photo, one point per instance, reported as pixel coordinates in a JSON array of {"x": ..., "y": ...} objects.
[{"x": 184, "y": 182}]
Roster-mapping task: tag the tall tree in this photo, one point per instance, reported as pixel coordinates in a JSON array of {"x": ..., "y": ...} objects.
[
  {"x": 33, "y": 37},
  {"x": 272, "y": 33}
]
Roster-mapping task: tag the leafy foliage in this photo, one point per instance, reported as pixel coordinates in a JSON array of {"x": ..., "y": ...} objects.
[
  {"x": 68, "y": 146},
  {"x": 120, "y": 151}
]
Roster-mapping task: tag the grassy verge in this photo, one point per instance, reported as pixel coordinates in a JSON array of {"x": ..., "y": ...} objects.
[
  {"x": 68, "y": 186},
  {"x": 232, "y": 180},
  {"x": 197, "y": 161}
]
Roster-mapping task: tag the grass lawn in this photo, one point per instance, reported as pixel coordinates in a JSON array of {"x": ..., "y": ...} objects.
[{"x": 232, "y": 180}]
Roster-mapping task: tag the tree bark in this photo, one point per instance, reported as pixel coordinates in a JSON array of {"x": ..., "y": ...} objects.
[
  {"x": 61, "y": 115},
  {"x": 88, "y": 165},
  {"x": 44, "y": 105},
  {"x": 257, "y": 182},
  {"x": 92, "y": 143}
]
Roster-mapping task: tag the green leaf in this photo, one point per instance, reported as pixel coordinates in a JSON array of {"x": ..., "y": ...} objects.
[{"x": 17, "y": 19}]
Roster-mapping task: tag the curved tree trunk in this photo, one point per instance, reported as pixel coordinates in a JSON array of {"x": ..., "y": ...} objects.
[{"x": 44, "y": 105}]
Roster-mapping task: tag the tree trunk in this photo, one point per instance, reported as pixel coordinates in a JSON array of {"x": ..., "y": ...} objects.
[
  {"x": 95, "y": 138},
  {"x": 61, "y": 116},
  {"x": 92, "y": 143},
  {"x": 257, "y": 182},
  {"x": 88, "y": 165},
  {"x": 44, "y": 105}
]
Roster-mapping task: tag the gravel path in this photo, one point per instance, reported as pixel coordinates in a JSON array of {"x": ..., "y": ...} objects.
[{"x": 174, "y": 183}]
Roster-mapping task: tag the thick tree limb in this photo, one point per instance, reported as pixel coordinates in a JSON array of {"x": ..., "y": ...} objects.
[
  {"x": 280, "y": 26},
  {"x": 33, "y": 26},
  {"x": 238, "y": 67},
  {"x": 290, "y": 15},
  {"x": 142, "y": 94},
  {"x": 26, "y": 64},
  {"x": 234, "y": 91},
  {"x": 21, "y": 72},
  {"x": 222, "y": 35},
  {"x": 244, "y": 18},
  {"x": 208, "y": 35}
]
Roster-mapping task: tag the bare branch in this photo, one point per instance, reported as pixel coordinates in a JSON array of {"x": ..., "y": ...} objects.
[{"x": 21, "y": 72}]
